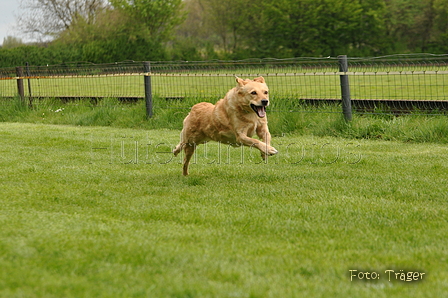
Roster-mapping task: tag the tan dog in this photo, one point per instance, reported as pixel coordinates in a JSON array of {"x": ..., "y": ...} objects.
[{"x": 233, "y": 120}]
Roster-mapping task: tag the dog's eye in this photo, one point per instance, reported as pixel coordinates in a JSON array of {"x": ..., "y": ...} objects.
[
  {"x": 265, "y": 92},
  {"x": 254, "y": 93}
]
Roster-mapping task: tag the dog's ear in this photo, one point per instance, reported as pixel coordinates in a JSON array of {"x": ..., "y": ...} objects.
[
  {"x": 259, "y": 80},
  {"x": 240, "y": 82}
]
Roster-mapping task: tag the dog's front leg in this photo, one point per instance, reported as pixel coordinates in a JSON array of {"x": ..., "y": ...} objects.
[
  {"x": 265, "y": 148},
  {"x": 264, "y": 134}
]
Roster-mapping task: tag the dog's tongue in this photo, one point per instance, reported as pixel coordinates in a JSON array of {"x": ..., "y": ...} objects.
[{"x": 261, "y": 112}]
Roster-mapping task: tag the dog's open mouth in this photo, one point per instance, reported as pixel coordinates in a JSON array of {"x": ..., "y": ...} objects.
[{"x": 260, "y": 110}]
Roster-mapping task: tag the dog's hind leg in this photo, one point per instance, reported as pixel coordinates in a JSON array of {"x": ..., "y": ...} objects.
[
  {"x": 189, "y": 151},
  {"x": 181, "y": 144}
]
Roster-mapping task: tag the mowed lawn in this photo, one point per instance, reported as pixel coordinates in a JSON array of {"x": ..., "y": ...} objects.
[{"x": 105, "y": 212}]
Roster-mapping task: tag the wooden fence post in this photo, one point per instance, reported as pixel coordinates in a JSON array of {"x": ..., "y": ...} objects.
[{"x": 20, "y": 88}]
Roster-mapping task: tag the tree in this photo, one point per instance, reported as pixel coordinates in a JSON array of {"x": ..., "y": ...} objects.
[
  {"x": 333, "y": 27},
  {"x": 235, "y": 28},
  {"x": 126, "y": 30},
  {"x": 267, "y": 32},
  {"x": 156, "y": 18},
  {"x": 370, "y": 35},
  {"x": 410, "y": 24},
  {"x": 441, "y": 19},
  {"x": 439, "y": 33},
  {"x": 228, "y": 19},
  {"x": 112, "y": 37},
  {"x": 285, "y": 28},
  {"x": 11, "y": 42},
  {"x": 46, "y": 19}
]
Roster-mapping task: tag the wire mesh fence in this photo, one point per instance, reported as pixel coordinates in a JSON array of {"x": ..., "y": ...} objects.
[
  {"x": 77, "y": 80},
  {"x": 382, "y": 84}
]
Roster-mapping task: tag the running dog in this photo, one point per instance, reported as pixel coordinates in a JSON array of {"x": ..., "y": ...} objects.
[{"x": 232, "y": 120}]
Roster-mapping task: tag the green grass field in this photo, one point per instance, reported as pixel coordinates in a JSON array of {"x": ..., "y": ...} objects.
[{"x": 105, "y": 212}]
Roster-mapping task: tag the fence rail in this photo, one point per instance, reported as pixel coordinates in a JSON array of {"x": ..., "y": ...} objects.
[{"x": 382, "y": 84}]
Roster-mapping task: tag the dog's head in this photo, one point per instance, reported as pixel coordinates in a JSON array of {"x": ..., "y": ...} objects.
[{"x": 255, "y": 94}]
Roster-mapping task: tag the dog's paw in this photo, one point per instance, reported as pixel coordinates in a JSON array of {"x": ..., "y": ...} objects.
[{"x": 269, "y": 152}]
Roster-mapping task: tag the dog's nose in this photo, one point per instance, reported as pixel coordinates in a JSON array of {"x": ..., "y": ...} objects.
[{"x": 264, "y": 102}]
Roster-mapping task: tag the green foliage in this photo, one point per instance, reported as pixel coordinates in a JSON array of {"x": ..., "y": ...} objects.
[
  {"x": 11, "y": 42},
  {"x": 289, "y": 28},
  {"x": 297, "y": 27},
  {"x": 16, "y": 110},
  {"x": 212, "y": 29},
  {"x": 38, "y": 55},
  {"x": 115, "y": 36},
  {"x": 155, "y": 18},
  {"x": 415, "y": 128}
]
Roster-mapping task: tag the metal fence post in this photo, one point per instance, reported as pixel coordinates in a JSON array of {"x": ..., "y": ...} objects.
[
  {"x": 20, "y": 88},
  {"x": 345, "y": 88},
  {"x": 28, "y": 74},
  {"x": 148, "y": 89}
]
